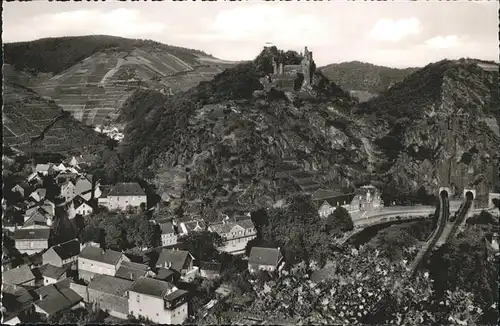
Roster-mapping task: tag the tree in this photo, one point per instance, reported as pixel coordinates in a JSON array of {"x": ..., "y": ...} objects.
[
  {"x": 463, "y": 263},
  {"x": 298, "y": 229},
  {"x": 202, "y": 245},
  {"x": 340, "y": 219},
  {"x": 391, "y": 243},
  {"x": 354, "y": 291}
]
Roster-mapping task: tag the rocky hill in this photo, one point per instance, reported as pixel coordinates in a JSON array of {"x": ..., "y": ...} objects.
[
  {"x": 439, "y": 127},
  {"x": 34, "y": 124},
  {"x": 231, "y": 143},
  {"x": 92, "y": 76},
  {"x": 364, "y": 80}
]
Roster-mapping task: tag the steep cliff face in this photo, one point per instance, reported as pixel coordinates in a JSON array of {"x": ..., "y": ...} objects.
[{"x": 442, "y": 127}]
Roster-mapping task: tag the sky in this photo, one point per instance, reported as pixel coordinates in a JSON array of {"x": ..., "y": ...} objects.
[{"x": 395, "y": 34}]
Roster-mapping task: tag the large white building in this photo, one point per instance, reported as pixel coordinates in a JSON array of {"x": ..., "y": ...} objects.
[
  {"x": 235, "y": 234},
  {"x": 125, "y": 194},
  {"x": 159, "y": 301}
]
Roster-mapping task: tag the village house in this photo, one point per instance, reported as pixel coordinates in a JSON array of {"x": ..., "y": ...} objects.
[
  {"x": 159, "y": 301},
  {"x": 62, "y": 255},
  {"x": 126, "y": 194},
  {"x": 93, "y": 260},
  {"x": 60, "y": 167},
  {"x": 31, "y": 241},
  {"x": 166, "y": 274},
  {"x": 83, "y": 188},
  {"x": 48, "y": 206},
  {"x": 52, "y": 274},
  {"x": 235, "y": 234},
  {"x": 68, "y": 190},
  {"x": 168, "y": 233},
  {"x": 44, "y": 169},
  {"x": 178, "y": 260},
  {"x": 110, "y": 294},
  {"x": 192, "y": 226},
  {"x": 39, "y": 194},
  {"x": 369, "y": 197},
  {"x": 35, "y": 179},
  {"x": 210, "y": 270},
  {"x": 57, "y": 297},
  {"x": 327, "y": 201},
  {"x": 17, "y": 304},
  {"x": 21, "y": 188},
  {"x": 266, "y": 259},
  {"x": 37, "y": 218},
  {"x": 132, "y": 271},
  {"x": 81, "y": 207},
  {"x": 21, "y": 275}
]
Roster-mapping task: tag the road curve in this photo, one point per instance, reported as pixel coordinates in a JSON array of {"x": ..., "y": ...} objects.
[{"x": 444, "y": 211}]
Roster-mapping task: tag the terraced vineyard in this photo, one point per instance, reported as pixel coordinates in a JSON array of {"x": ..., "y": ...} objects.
[
  {"x": 94, "y": 89},
  {"x": 32, "y": 123}
]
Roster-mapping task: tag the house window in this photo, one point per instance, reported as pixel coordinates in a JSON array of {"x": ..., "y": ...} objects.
[{"x": 138, "y": 298}]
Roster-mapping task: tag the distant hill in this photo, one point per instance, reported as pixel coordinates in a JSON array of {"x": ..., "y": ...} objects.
[
  {"x": 34, "y": 124},
  {"x": 364, "y": 80},
  {"x": 92, "y": 76},
  {"x": 439, "y": 126}
]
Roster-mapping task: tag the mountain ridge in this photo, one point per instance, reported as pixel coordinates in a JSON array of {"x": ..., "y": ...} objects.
[{"x": 428, "y": 125}]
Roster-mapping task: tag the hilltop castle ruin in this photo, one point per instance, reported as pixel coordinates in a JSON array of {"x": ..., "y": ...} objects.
[{"x": 292, "y": 77}]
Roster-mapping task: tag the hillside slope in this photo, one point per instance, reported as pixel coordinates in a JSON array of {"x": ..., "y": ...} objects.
[
  {"x": 439, "y": 127},
  {"x": 34, "y": 124},
  {"x": 364, "y": 80},
  {"x": 221, "y": 141},
  {"x": 92, "y": 76}
]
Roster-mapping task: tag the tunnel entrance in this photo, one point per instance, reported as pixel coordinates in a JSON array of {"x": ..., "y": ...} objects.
[
  {"x": 469, "y": 195},
  {"x": 444, "y": 193}
]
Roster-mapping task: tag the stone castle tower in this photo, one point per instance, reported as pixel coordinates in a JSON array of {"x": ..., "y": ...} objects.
[
  {"x": 307, "y": 67},
  {"x": 289, "y": 72}
]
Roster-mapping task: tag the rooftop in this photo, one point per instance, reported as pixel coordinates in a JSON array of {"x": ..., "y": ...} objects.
[
  {"x": 166, "y": 227},
  {"x": 56, "y": 298},
  {"x": 176, "y": 257},
  {"x": 67, "y": 249},
  {"x": 43, "y": 167},
  {"x": 18, "y": 276},
  {"x": 32, "y": 234},
  {"x": 264, "y": 256},
  {"x": 127, "y": 189},
  {"x": 152, "y": 287},
  {"x": 52, "y": 271},
  {"x": 110, "y": 285},
  {"x": 131, "y": 271},
  {"x": 106, "y": 256}
]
